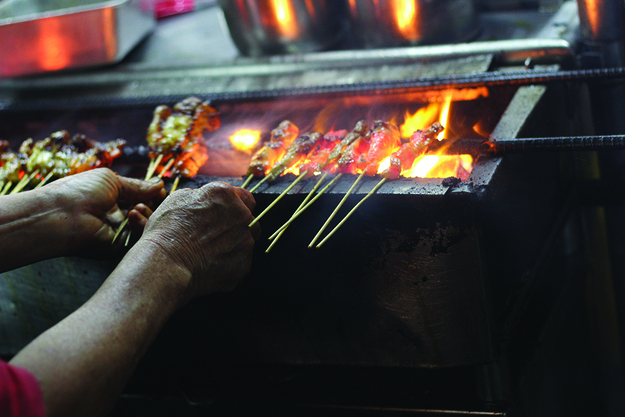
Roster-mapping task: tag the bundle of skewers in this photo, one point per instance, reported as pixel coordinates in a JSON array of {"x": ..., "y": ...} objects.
[
  {"x": 175, "y": 138},
  {"x": 360, "y": 152},
  {"x": 57, "y": 156}
]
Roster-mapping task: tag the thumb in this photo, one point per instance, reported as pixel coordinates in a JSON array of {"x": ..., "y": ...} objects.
[{"x": 134, "y": 191}]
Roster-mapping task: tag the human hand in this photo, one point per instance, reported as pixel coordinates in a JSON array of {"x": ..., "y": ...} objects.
[
  {"x": 206, "y": 232},
  {"x": 89, "y": 200}
]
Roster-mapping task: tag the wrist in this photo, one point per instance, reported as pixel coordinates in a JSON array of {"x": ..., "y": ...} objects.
[{"x": 150, "y": 266}]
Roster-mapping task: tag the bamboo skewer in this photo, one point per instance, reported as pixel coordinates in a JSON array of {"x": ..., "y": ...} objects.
[
  {"x": 325, "y": 225},
  {"x": 310, "y": 203},
  {"x": 152, "y": 167},
  {"x": 352, "y": 212},
  {"x": 281, "y": 231},
  {"x": 301, "y": 206},
  {"x": 6, "y": 188},
  {"x": 167, "y": 167},
  {"x": 45, "y": 180},
  {"x": 24, "y": 182},
  {"x": 119, "y": 231},
  {"x": 289, "y": 188},
  {"x": 175, "y": 186},
  {"x": 261, "y": 182},
  {"x": 247, "y": 181}
]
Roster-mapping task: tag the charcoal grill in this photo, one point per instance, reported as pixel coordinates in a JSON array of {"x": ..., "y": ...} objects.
[{"x": 433, "y": 279}]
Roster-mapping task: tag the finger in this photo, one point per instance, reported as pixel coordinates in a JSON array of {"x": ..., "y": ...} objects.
[
  {"x": 144, "y": 210},
  {"x": 134, "y": 190},
  {"x": 246, "y": 197},
  {"x": 137, "y": 219}
]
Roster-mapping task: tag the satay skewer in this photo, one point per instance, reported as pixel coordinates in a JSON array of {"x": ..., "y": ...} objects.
[{"x": 400, "y": 160}]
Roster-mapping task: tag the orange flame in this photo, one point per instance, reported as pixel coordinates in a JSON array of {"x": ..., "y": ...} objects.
[
  {"x": 444, "y": 117},
  {"x": 245, "y": 140},
  {"x": 439, "y": 165},
  {"x": 406, "y": 16},
  {"x": 285, "y": 17}
]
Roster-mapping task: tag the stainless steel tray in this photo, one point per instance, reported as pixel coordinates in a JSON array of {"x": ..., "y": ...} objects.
[{"x": 38, "y": 36}]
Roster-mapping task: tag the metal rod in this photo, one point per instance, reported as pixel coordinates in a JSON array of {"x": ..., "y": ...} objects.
[{"x": 501, "y": 146}]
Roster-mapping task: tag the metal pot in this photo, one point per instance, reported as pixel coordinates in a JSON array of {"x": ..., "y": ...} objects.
[
  {"x": 261, "y": 27},
  {"x": 384, "y": 23}
]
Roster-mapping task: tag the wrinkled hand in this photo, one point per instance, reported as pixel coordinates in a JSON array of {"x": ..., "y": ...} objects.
[
  {"x": 206, "y": 232},
  {"x": 90, "y": 202}
]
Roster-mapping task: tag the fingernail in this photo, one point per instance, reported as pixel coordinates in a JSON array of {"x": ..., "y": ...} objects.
[{"x": 155, "y": 180}]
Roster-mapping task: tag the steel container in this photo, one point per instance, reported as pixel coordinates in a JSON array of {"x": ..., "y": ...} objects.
[
  {"x": 40, "y": 36},
  {"x": 384, "y": 23},
  {"x": 265, "y": 27}
]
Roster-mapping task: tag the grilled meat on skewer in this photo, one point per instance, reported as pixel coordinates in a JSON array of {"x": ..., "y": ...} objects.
[
  {"x": 404, "y": 158},
  {"x": 271, "y": 152}
]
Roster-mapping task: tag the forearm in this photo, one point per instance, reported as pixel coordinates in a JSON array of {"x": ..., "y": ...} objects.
[
  {"x": 95, "y": 350},
  {"x": 33, "y": 227}
]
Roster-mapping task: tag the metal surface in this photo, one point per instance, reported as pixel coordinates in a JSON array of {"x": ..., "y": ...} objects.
[
  {"x": 39, "y": 36},
  {"x": 261, "y": 27},
  {"x": 387, "y": 23},
  {"x": 555, "y": 144}
]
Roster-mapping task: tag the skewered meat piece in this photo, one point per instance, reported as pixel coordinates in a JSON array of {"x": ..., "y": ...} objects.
[
  {"x": 360, "y": 129},
  {"x": 64, "y": 155},
  {"x": 189, "y": 163},
  {"x": 317, "y": 161},
  {"x": 271, "y": 152},
  {"x": 354, "y": 154},
  {"x": 171, "y": 131},
  {"x": 4, "y": 147},
  {"x": 385, "y": 139},
  {"x": 404, "y": 158},
  {"x": 298, "y": 151}
]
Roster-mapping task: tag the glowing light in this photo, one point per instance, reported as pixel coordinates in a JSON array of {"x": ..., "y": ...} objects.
[
  {"x": 245, "y": 140},
  {"x": 54, "y": 53},
  {"x": 285, "y": 17},
  {"x": 406, "y": 16}
]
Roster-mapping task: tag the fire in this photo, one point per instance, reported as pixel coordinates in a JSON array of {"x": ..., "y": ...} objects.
[
  {"x": 245, "y": 140},
  {"x": 434, "y": 166},
  {"x": 285, "y": 18},
  {"x": 444, "y": 118},
  {"x": 406, "y": 12}
]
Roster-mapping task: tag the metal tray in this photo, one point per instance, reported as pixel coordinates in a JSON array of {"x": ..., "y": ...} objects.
[{"x": 38, "y": 36}]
